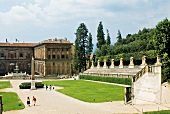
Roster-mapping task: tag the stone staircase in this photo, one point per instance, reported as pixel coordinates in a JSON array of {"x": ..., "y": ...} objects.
[{"x": 147, "y": 89}]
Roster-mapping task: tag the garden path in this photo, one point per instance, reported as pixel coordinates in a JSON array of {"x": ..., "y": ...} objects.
[{"x": 52, "y": 102}]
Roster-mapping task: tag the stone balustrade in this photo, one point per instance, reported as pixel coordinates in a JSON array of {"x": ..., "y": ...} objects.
[{"x": 121, "y": 70}]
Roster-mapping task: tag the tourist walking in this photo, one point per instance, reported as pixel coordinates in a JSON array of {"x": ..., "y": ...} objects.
[
  {"x": 50, "y": 87},
  {"x": 28, "y": 101},
  {"x": 46, "y": 87},
  {"x": 34, "y": 100}
]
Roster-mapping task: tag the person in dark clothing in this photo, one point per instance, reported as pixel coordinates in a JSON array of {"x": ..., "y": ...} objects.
[
  {"x": 46, "y": 87},
  {"x": 28, "y": 101}
]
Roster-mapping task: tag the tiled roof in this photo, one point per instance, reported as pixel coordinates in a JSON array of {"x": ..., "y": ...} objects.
[{"x": 18, "y": 44}]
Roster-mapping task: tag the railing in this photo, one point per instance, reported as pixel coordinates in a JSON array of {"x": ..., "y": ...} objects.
[{"x": 140, "y": 73}]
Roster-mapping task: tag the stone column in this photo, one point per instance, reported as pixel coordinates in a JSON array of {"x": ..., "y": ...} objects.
[
  {"x": 143, "y": 62},
  {"x": 92, "y": 64},
  {"x": 44, "y": 69},
  {"x": 45, "y": 53},
  {"x": 105, "y": 66},
  {"x": 158, "y": 65},
  {"x": 32, "y": 73},
  {"x": 112, "y": 64},
  {"x": 98, "y": 64},
  {"x": 121, "y": 63},
  {"x": 157, "y": 71},
  {"x": 131, "y": 65}
]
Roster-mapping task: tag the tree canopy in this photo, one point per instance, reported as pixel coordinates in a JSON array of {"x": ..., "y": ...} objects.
[
  {"x": 100, "y": 36},
  {"x": 162, "y": 40},
  {"x": 151, "y": 42},
  {"x": 81, "y": 44}
]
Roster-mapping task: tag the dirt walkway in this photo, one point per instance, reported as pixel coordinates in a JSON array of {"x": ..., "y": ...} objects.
[{"x": 52, "y": 102}]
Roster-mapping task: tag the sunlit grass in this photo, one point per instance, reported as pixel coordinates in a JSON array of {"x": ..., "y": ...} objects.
[
  {"x": 158, "y": 112},
  {"x": 10, "y": 100},
  {"x": 5, "y": 84},
  {"x": 89, "y": 91}
]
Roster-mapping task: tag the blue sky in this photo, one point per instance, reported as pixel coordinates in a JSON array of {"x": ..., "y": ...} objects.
[{"x": 38, "y": 20}]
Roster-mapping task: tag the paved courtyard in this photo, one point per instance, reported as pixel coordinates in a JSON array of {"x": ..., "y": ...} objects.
[{"x": 52, "y": 102}]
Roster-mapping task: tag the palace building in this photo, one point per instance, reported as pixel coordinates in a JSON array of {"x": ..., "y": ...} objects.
[{"x": 51, "y": 57}]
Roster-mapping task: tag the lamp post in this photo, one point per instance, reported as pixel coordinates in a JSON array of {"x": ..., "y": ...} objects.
[
  {"x": 32, "y": 75},
  {"x": 29, "y": 67}
]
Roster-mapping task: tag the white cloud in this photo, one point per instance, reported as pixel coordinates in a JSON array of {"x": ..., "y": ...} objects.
[{"x": 48, "y": 18}]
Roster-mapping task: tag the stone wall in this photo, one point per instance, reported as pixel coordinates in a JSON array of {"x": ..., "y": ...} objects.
[
  {"x": 165, "y": 93},
  {"x": 53, "y": 59},
  {"x": 9, "y": 56}
]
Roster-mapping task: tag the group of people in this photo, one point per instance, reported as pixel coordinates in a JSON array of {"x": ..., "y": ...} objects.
[
  {"x": 50, "y": 87},
  {"x": 33, "y": 101}
]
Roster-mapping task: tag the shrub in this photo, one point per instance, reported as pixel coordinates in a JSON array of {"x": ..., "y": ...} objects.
[
  {"x": 126, "y": 81},
  {"x": 27, "y": 85}
]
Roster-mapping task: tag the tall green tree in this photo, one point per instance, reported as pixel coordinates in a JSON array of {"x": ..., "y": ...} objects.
[
  {"x": 89, "y": 45},
  {"x": 108, "y": 42},
  {"x": 89, "y": 49},
  {"x": 119, "y": 38},
  {"x": 81, "y": 44},
  {"x": 100, "y": 36},
  {"x": 162, "y": 40}
]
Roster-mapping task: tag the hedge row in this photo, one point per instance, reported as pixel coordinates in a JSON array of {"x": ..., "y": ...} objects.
[
  {"x": 27, "y": 85},
  {"x": 126, "y": 81}
]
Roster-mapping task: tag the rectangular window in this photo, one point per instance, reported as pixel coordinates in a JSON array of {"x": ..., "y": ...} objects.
[
  {"x": 66, "y": 56},
  {"x": 2, "y": 54},
  {"x": 21, "y": 55},
  {"x": 58, "y": 56},
  {"x": 29, "y": 55},
  {"x": 49, "y": 57},
  {"x": 53, "y": 56},
  {"x": 62, "y": 56}
]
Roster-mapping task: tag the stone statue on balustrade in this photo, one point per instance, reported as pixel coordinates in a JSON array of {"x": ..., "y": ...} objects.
[
  {"x": 105, "y": 66},
  {"x": 121, "y": 63},
  {"x": 143, "y": 62},
  {"x": 92, "y": 64},
  {"x": 112, "y": 64},
  {"x": 98, "y": 64},
  {"x": 158, "y": 61},
  {"x": 131, "y": 65}
]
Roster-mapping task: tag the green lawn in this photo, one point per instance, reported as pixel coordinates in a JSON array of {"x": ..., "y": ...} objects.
[
  {"x": 158, "y": 112},
  {"x": 89, "y": 91},
  {"x": 5, "y": 84},
  {"x": 10, "y": 100}
]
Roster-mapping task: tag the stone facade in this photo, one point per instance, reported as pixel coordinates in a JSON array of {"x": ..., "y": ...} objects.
[
  {"x": 15, "y": 53},
  {"x": 52, "y": 57}
]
